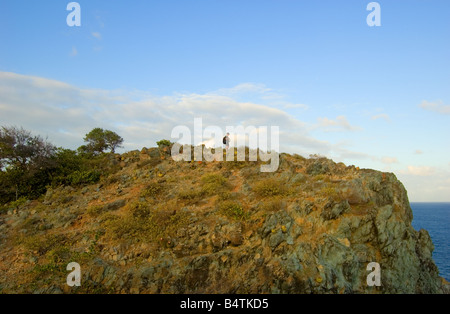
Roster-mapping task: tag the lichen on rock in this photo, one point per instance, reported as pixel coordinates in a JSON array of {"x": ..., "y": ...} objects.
[{"x": 311, "y": 227}]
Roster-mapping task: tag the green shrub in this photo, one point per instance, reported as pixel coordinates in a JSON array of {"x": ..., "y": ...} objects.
[
  {"x": 145, "y": 224},
  {"x": 163, "y": 143},
  {"x": 223, "y": 196},
  {"x": 299, "y": 157},
  {"x": 83, "y": 177},
  {"x": 140, "y": 210},
  {"x": 95, "y": 211},
  {"x": 55, "y": 263},
  {"x": 112, "y": 179},
  {"x": 34, "y": 224},
  {"x": 213, "y": 184},
  {"x": 330, "y": 192},
  {"x": 272, "y": 205},
  {"x": 270, "y": 187},
  {"x": 213, "y": 178},
  {"x": 191, "y": 196},
  {"x": 232, "y": 209},
  {"x": 16, "y": 204},
  {"x": 42, "y": 245},
  {"x": 153, "y": 189}
]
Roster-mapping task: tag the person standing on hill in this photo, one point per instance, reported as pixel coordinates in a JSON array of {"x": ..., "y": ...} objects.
[{"x": 226, "y": 141}]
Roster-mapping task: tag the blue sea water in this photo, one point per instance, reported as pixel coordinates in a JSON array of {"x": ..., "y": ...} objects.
[{"x": 435, "y": 218}]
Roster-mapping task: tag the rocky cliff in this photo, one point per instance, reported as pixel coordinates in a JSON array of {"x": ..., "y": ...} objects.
[{"x": 160, "y": 226}]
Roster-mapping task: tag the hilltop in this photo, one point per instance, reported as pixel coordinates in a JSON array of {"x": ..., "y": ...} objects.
[{"x": 154, "y": 225}]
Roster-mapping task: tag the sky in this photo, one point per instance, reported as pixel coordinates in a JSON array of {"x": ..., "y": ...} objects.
[{"x": 374, "y": 97}]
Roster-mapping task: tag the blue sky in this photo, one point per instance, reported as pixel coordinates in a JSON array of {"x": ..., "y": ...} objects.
[{"x": 376, "y": 97}]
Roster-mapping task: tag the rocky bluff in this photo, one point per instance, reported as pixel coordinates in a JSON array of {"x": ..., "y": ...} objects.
[{"x": 160, "y": 226}]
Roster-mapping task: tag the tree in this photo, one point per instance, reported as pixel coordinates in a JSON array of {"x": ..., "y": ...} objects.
[
  {"x": 19, "y": 148},
  {"x": 25, "y": 162},
  {"x": 76, "y": 168},
  {"x": 113, "y": 140},
  {"x": 98, "y": 140},
  {"x": 163, "y": 143}
]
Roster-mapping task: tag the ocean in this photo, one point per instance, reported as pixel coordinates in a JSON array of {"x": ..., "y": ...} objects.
[{"x": 435, "y": 218}]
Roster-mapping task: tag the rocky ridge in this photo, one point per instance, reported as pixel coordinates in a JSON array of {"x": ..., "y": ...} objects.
[{"x": 160, "y": 226}]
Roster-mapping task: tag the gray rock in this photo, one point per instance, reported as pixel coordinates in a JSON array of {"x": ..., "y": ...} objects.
[
  {"x": 319, "y": 166},
  {"x": 246, "y": 188},
  {"x": 354, "y": 192},
  {"x": 333, "y": 210},
  {"x": 115, "y": 205},
  {"x": 276, "y": 238},
  {"x": 298, "y": 178},
  {"x": 154, "y": 153},
  {"x": 305, "y": 208}
]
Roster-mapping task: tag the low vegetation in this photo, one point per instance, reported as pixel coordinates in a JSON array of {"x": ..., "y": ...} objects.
[
  {"x": 232, "y": 209},
  {"x": 144, "y": 223},
  {"x": 270, "y": 187},
  {"x": 30, "y": 164},
  {"x": 176, "y": 226}
]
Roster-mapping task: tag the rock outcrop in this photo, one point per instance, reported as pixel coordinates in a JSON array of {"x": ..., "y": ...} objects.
[{"x": 160, "y": 226}]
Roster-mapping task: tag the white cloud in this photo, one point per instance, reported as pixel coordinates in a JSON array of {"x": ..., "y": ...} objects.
[
  {"x": 349, "y": 155},
  {"x": 66, "y": 113},
  {"x": 437, "y": 106},
  {"x": 382, "y": 116},
  {"x": 418, "y": 152},
  {"x": 340, "y": 124},
  {"x": 421, "y": 171},
  {"x": 48, "y": 106},
  {"x": 243, "y": 88},
  {"x": 389, "y": 160},
  {"x": 253, "y": 92},
  {"x": 74, "y": 52},
  {"x": 426, "y": 184},
  {"x": 100, "y": 21},
  {"x": 97, "y": 35}
]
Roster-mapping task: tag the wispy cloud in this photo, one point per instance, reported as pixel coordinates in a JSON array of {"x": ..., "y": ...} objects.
[
  {"x": 421, "y": 171},
  {"x": 100, "y": 21},
  {"x": 437, "y": 106},
  {"x": 425, "y": 184},
  {"x": 339, "y": 124},
  {"x": 382, "y": 116},
  {"x": 243, "y": 88},
  {"x": 347, "y": 154},
  {"x": 418, "y": 152},
  {"x": 97, "y": 35},
  {"x": 74, "y": 52},
  {"x": 65, "y": 113},
  {"x": 256, "y": 92},
  {"x": 389, "y": 160},
  {"x": 50, "y": 106}
]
